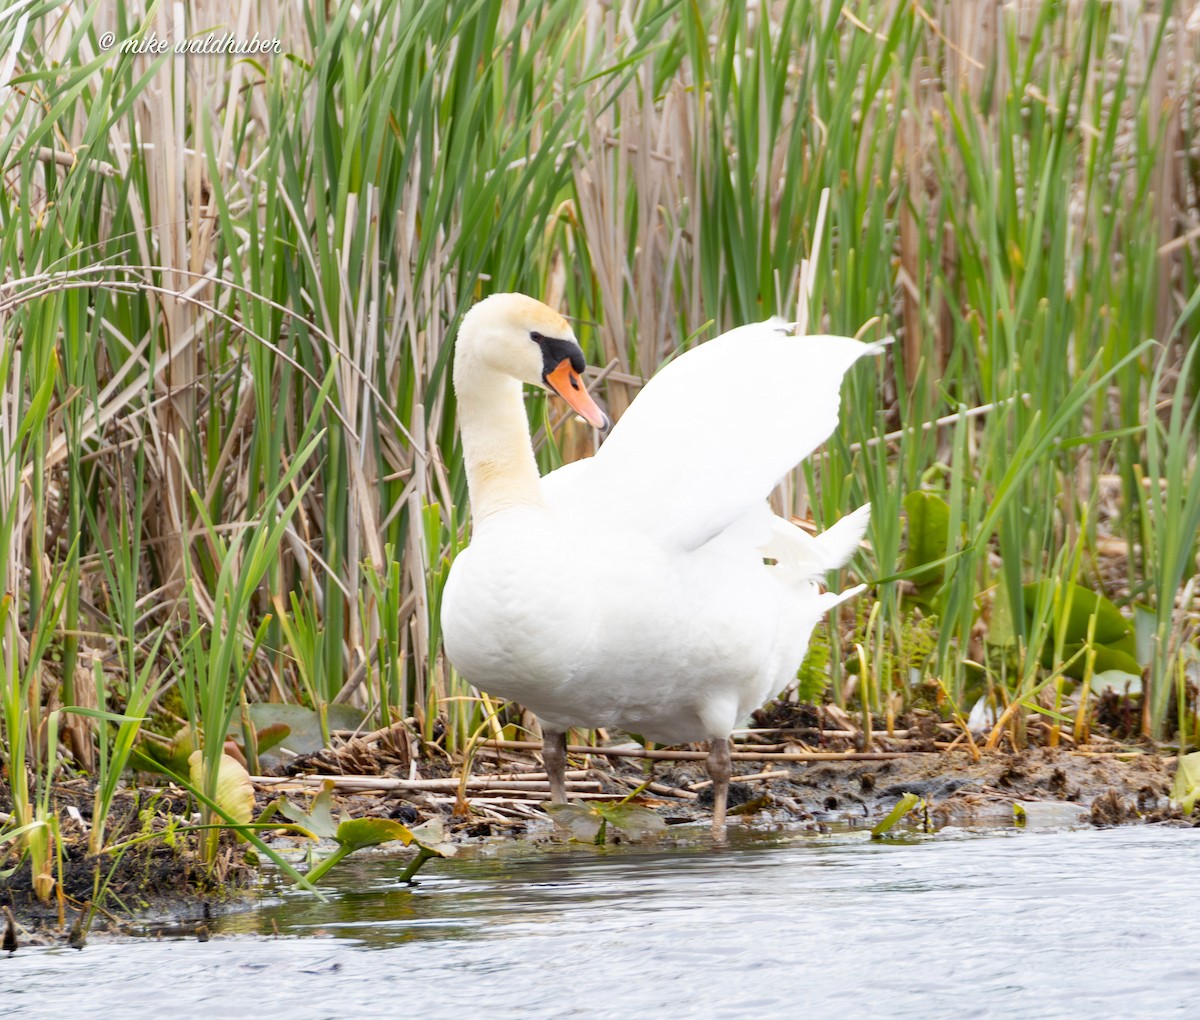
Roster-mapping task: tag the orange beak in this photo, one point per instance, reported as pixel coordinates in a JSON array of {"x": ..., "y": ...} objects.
[{"x": 568, "y": 385}]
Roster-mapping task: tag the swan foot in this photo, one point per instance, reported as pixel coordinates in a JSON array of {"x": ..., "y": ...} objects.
[
  {"x": 554, "y": 757},
  {"x": 719, "y": 768}
]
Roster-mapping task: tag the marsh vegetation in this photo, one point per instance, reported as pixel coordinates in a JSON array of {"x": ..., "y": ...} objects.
[{"x": 229, "y": 475}]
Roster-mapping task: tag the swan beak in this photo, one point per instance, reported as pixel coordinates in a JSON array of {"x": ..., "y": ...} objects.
[{"x": 568, "y": 385}]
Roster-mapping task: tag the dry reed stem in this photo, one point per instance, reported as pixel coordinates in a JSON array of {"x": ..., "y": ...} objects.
[
  {"x": 755, "y": 778},
  {"x": 654, "y": 787},
  {"x": 532, "y": 797},
  {"x": 366, "y": 784},
  {"x": 657, "y": 755}
]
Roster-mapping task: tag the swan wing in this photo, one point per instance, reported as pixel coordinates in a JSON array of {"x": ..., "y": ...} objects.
[{"x": 711, "y": 434}]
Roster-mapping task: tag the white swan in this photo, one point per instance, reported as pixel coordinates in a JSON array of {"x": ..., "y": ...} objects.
[{"x": 633, "y": 589}]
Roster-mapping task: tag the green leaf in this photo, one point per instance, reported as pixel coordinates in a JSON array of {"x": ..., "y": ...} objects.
[
  {"x": 234, "y": 792},
  {"x": 303, "y": 724},
  {"x": 1000, "y": 630},
  {"x": 928, "y": 535},
  {"x": 357, "y": 833},
  {"x": 319, "y": 817},
  {"x": 148, "y": 756},
  {"x": 1187, "y": 782},
  {"x": 272, "y": 736},
  {"x": 431, "y": 834},
  {"x": 1115, "y": 642},
  {"x": 1145, "y": 622},
  {"x": 1108, "y": 657},
  {"x": 585, "y": 822},
  {"x": 903, "y": 806},
  {"x": 1111, "y": 627},
  {"x": 635, "y": 821},
  {"x": 1120, "y": 681},
  {"x": 582, "y": 821},
  {"x": 179, "y": 754}
]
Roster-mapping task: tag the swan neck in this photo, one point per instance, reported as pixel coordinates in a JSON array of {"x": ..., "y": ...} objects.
[{"x": 497, "y": 449}]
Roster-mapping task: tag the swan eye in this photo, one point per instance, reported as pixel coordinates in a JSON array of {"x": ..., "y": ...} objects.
[{"x": 555, "y": 351}]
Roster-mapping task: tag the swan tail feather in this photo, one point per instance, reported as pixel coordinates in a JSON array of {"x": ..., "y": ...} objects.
[
  {"x": 839, "y": 542},
  {"x": 810, "y": 557},
  {"x": 831, "y": 599}
]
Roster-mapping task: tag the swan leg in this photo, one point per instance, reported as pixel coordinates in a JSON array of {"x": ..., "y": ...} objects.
[
  {"x": 719, "y": 768},
  {"x": 554, "y": 756}
]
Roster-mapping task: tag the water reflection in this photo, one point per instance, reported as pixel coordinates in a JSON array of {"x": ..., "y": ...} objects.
[{"x": 1080, "y": 923}]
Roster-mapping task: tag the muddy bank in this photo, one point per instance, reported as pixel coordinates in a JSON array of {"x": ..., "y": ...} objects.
[
  {"x": 801, "y": 766},
  {"x": 1108, "y": 789},
  {"x": 158, "y": 882},
  {"x": 958, "y": 790},
  {"x": 161, "y": 880},
  {"x": 149, "y": 889}
]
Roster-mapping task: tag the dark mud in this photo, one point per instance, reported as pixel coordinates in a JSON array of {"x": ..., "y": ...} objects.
[
  {"x": 959, "y": 791},
  {"x": 156, "y": 882}
]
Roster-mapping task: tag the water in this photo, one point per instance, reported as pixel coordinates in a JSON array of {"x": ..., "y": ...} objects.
[{"x": 1054, "y": 924}]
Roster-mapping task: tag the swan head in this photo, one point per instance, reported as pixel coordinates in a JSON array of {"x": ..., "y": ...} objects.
[{"x": 518, "y": 336}]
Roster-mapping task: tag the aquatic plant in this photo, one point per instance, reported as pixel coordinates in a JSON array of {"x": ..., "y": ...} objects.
[
  {"x": 908, "y": 802},
  {"x": 1186, "y": 788},
  {"x": 589, "y": 821},
  {"x": 353, "y": 834}
]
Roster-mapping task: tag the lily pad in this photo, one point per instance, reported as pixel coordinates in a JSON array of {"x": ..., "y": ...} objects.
[
  {"x": 272, "y": 736},
  {"x": 1111, "y": 627},
  {"x": 928, "y": 535},
  {"x": 303, "y": 725},
  {"x": 580, "y": 820},
  {"x": 356, "y": 833},
  {"x": 633, "y": 820},
  {"x": 234, "y": 792},
  {"x": 586, "y": 822},
  {"x": 318, "y": 819},
  {"x": 1109, "y": 659},
  {"x": 1114, "y": 640},
  {"x": 1186, "y": 790},
  {"x": 1117, "y": 680},
  {"x": 431, "y": 834}
]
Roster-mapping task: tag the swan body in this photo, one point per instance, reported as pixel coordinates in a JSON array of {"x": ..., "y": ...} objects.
[{"x": 636, "y": 589}]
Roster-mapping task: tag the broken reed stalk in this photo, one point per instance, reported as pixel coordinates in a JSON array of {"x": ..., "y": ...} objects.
[
  {"x": 656, "y": 755},
  {"x": 363, "y": 784},
  {"x": 757, "y": 777},
  {"x": 530, "y": 798},
  {"x": 660, "y": 788}
]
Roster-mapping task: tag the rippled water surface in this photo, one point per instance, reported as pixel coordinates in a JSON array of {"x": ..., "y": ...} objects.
[{"x": 1060, "y": 924}]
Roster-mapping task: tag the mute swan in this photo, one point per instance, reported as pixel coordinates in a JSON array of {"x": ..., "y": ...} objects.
[{"x": 634, "y": 589}]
